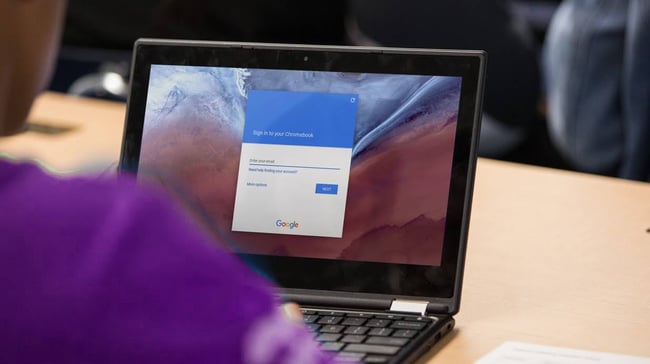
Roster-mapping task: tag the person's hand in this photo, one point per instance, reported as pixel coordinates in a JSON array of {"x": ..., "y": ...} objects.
[{"x": 292, "y": 312}]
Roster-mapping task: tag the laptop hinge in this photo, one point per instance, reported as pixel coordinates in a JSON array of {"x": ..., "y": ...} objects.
[{"x": 410, "y": 306}]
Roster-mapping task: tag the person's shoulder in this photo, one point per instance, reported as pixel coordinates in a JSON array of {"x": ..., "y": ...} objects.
[
  {"x": 135, "y": 222},
  {"x": 24, "y": 185},
  {"x": 44, "y": 210},
  {"x": 83, "y": 207}
]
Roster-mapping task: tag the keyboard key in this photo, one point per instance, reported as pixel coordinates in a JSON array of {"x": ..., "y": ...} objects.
[
  {"x": 331, "y": 329},
  {"x": 405, "y": 333},
  {"x": 410, "y": 325},
  {"x": 359, "y": 314},
  {"x": 372, "y": 349},
  {"x": 330, "y": 320},
  {"x": 393, "y": 341},
  {"x": 308, "y": 312},
  {"x": 355, "y": 339},
  {"x": 356, "y": 330},
  {"x": 328, "y": 337},
  {"x": 419, "y": 318},
  {"x": 354, "y": 321},
  {"x": 389, "y": 317},
  {"x": 331, "y": 313},
  {"x": 376, "y": 359},
  {"x": 309, "y": 319},
  {"x": 381, "y": 331},
  {"x": 313, "y": 327},
  {"x": 350, "y": 356},
  {"x": 378, "y": 323},
  {"x": 332, "y": 346}
]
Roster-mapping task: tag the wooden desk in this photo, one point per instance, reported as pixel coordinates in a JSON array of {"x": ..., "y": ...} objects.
[
  {"x": 70, "y": 134},
  {"x": 554, "y": 257}
]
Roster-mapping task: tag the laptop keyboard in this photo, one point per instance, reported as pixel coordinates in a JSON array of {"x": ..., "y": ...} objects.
[{"x": 366, "y": 337}]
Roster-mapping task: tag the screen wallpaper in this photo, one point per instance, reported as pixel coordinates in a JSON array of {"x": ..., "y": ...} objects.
[{"x": 307, "y": 164}]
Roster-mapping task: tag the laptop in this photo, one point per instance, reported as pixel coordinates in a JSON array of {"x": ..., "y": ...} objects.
[{"x": 343, "y": 174}]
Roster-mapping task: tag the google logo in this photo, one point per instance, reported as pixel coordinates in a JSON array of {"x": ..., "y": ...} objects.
[{"x": 285, "y": 225}]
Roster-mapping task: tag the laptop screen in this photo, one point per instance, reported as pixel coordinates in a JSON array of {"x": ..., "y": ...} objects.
[
  {"x": 331, "y": 165},
  {"x": 326, "y": 168}
]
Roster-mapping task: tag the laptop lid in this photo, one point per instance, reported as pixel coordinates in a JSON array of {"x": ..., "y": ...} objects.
[{"x": 344, "y": 174}]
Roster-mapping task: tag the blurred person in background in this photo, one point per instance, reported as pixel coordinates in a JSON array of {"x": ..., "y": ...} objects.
[
  {"x": 104, "y": 271},
  {"x": 597, "y": 71}
]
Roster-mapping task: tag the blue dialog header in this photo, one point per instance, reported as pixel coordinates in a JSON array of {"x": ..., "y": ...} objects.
[{"x": 300, "y": 118}]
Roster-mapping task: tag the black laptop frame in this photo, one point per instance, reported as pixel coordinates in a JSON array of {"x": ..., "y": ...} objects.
[{"x": 439, "y": 285}]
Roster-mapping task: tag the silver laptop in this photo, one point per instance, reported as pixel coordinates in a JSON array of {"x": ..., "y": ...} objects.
[{"x": 343, "y": 174}]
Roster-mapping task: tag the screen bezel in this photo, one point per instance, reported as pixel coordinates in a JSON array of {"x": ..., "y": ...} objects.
[{"x": 436, "y": 283}]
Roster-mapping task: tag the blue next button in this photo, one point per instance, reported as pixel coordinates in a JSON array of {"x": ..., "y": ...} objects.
[{"x": 326, "y": 189}]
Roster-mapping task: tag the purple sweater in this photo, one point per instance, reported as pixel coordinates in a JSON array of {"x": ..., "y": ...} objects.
[{"x": 102, "y": 271}]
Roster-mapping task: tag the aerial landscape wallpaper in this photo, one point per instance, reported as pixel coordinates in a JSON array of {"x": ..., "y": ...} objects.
[{"x": 400, "y": 168}]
